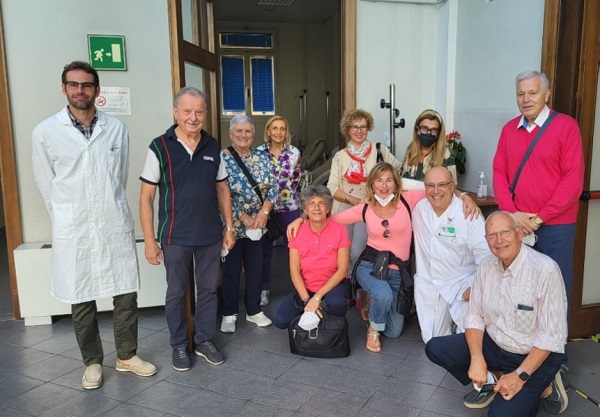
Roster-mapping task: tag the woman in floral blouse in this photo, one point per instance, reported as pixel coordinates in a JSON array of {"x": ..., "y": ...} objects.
[
  {"x": 249, "y": 221},
  {"x": 285, "y": 166}
]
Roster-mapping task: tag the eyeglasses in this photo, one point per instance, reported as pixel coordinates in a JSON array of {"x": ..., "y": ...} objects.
[
  {"x": 75, "y": 85},
  {"x": 504, "y": 234},
  {"x": 355, "y": 128},
  {"x": 386, "y": 224},
  {"x": 432, "y": 186},
  {"x": 424, "y": 130}
]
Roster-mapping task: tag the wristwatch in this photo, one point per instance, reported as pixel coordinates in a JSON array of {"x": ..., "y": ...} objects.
[
  {"x": 524, "y": 376},
  {"x": 229, "y": 229},
  {"x": 538, "y": 221},
  {"x": 266, "y": 212}
]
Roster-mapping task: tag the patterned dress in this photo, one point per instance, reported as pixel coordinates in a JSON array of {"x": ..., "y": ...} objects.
[{"x": 286, "y": 171}]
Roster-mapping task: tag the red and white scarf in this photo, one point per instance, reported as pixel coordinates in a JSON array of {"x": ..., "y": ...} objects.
[{"x": 356, "y": 172}]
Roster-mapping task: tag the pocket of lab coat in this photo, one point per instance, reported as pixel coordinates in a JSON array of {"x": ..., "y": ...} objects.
[{"x": 63, "y": 221}]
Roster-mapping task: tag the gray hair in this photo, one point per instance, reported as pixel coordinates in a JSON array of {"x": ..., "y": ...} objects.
[
  {"x": 526, "y": 75},
  {"x": 312, "y": 191},
  {"x": 192, "y": 91},
  {"x": 240, "y": 118}
]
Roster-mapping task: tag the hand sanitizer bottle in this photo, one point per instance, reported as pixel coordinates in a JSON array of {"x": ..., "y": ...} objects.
[{"x": 481, "y": 188}]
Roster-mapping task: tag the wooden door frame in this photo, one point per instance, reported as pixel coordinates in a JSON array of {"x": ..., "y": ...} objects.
[
  {"x": 570, "y": 50},
  {"x": 8, "y": 174}
]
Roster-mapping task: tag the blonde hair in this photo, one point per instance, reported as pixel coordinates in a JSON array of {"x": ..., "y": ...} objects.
[
  {"x": 288, "y": 138},
  {"x": 413, "y": 151},
  {"x": 353, "y": 115},
  {"x": 377, "y": 171}
]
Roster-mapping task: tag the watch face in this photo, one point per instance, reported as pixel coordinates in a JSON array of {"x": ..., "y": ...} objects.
[{"x": 524, "y": 376}]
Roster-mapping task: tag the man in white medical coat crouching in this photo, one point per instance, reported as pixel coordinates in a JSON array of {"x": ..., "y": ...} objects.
[{"x": 448, "y": 249}]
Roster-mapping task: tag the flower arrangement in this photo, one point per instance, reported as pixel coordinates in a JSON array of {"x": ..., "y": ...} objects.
[{"x": 457, "y": 150}]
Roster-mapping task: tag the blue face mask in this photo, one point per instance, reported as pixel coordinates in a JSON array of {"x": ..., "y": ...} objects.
[{"x": 426, "y": 140}]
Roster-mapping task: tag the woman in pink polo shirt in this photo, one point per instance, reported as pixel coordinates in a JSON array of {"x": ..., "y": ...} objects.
[{"x": 319, "y": 257}]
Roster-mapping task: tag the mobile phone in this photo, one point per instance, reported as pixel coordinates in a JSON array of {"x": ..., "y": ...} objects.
[{"x": 487, "y": 387}]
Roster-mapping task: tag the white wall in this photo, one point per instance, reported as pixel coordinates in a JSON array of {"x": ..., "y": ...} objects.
[
  {"x": 494, "y": 42},
  {"x": 41, "y": 37},
  {"x": 397, "y": 44}
]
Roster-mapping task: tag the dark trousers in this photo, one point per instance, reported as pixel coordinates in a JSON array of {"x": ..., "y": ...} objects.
[
  {"x": 286, "y": 219},
  {"x": 178, "y": 263},
  {"x": 250, "y": 253},
  {"x": 335, "y": 303},
  {"x": 557, "y": 241},
  {"x": 452, "y": 353},
  {"x": 125, "y": 327}
]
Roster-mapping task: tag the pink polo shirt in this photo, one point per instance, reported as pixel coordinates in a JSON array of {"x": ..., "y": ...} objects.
[{"x": 319, "y": 252}]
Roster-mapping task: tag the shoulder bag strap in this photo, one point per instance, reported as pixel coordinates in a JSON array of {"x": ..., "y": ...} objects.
[
  {"x": 529, "y": 150},
  {"x": 379, "y": 155},
  {"x": 364, "y": 212},
  {"x": 244, "y": 169}
]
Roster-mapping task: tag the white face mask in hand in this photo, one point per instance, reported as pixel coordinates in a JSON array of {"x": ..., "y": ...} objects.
[
  {"x": 384, "y": 201},
  {"x": 254, "y": 234}
]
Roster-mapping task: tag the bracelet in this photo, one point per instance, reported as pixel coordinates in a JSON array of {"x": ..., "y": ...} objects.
[
  {"x": 229, "y": 229},
  {"x": 266, "y": 212},
  {"x": 347, "y": 199},
  {"x": 306, "y": 300},
  {"x": 316, "y": 298}
]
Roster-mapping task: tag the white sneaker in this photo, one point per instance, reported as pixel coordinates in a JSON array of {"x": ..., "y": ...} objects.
[
  {"x": 259, "y": 319},
  {"x": 228, "y": 324},
  {"x": 264, "y": 298}
]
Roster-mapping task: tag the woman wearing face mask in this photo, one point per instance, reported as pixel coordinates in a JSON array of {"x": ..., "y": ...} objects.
[
  {"x": 389, "y": 235},
  {"x": 285, "y": 166},
  {"x": 428, "y": 149}
]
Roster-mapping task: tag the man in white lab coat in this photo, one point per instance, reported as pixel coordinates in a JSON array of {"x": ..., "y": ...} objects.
[
  {"x": 80, "y": 165},
  {"x": 448, "y": 249}
]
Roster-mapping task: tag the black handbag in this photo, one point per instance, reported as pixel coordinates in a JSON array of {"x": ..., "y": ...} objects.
[
  {"x": 329, "y": 340},
  {"x": 274, "y": 225}
]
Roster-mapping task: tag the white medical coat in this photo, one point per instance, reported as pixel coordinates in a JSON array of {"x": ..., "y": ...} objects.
[
  {"x": 445, "y": 266},
  {"x": 83, "y": 186}
]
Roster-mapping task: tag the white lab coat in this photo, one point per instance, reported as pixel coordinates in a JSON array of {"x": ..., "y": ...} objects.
[
  {"x": 445, "y": 266},
  {"x": 83, "y": 186}
]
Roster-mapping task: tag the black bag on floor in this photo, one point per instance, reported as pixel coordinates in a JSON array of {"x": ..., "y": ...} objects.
[{"x": 329, "y": 340}]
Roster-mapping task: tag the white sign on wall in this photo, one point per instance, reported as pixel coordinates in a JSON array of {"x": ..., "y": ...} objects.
[{"x": 114, "y": 100}]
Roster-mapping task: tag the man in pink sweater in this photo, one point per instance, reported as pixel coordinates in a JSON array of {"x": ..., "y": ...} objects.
[{"x": 545, "y": 199}]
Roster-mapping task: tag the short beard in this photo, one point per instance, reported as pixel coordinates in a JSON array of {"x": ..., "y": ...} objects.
[{"x": 82, "y": 105}]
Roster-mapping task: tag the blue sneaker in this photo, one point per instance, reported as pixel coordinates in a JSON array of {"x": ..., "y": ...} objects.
[
  {"x": 181, "y": 360},
  {"x": 478, "y": 399}
]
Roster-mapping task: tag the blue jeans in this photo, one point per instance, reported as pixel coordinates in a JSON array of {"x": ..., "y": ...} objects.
[
  {"x": 452, "y": 354},
  {"x": 335, "y": 303},
  {"x": 383, "y": 316}
]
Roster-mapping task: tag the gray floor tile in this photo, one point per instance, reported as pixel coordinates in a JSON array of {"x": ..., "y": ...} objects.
[
  {"x": 157, "y": 341},
  {"x": 13, "y": 385},
  {"x": 259, "y": 362},
  {"x": 268, "y": 339},
  {"x": 404, "y": 391},
  {"x": 164, "y": 396},
  {"x": 5, "y": 412},
  {"x": 201, "y": 375},
  {"x": 365, "y": 360},
  {"x": 239, "y": 384},
  {"x": 130, "y": 410},
  {"x": 29, "y": 336},
  {"x": 420, "y": 371},
  {"x": 52, "y": 368},
  {"x": 21, "y": 360},
  {"x": 41, "y": 399},
  {"x": 450, "y": 403},
  {"x": 452, "y": 383},
  {"x": 426, "y": 413},
  {"x": 58, "y": 344},
  {"x": 386, "y": 408},
  {"x": 285, "y": 394},
  {"x": 82, "y": 404},
  {"x": 6, "y": 349},
  {"x": 250, "y": 409},
  {"x": 333, "y": 403},
  {"x": 155, "y": 321}
]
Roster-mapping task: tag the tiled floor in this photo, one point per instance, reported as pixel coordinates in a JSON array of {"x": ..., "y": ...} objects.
[{"x": 41, "y": 370}]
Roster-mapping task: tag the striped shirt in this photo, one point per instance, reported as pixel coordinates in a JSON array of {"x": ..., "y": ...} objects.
[{"x": 522, "y": 306}]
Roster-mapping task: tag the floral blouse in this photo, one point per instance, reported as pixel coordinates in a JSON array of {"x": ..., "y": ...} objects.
[
  {"x": 286, "y": 170},
  {"x": 243, "y": 197}
]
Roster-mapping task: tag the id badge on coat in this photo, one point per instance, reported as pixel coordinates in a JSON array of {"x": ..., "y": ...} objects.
[{"x": 447, "y": 231}]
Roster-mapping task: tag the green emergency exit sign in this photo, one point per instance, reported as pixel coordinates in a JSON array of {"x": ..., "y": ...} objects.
[{"x": 107, "y": 52}]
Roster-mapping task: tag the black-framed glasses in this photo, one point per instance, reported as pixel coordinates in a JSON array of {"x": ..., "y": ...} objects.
[
  {"x": 432, "y": 186},
  {"x": 355, "y": 128},
  {"x": 75, "y": 85},
  {"x": 386, "y": 224},
  {"x": 424, "y": 130},
  {"x": 504, "y": 234}
]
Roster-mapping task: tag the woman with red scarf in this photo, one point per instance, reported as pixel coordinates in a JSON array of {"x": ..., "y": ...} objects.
[{"x": 349, "y": 171}]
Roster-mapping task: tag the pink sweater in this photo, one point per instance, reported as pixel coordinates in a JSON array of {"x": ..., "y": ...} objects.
[
  {"x": 399, "y": 225},
  {"x": 551, "y": 180}
]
